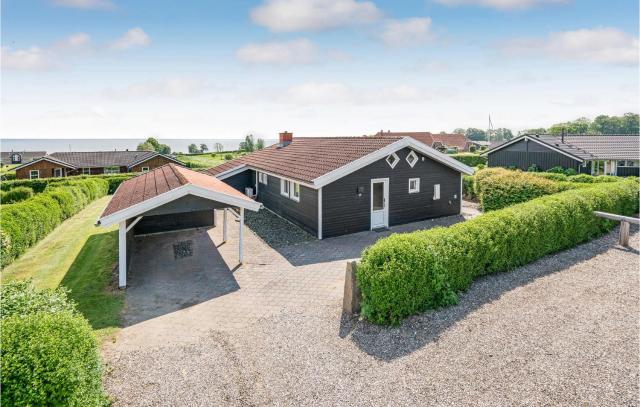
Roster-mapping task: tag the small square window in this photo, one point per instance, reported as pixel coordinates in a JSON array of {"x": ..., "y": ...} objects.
[
  {"x": 414, "y": 185},
  {"x": 34, "y": 174},
  {"x": 436, "y": 192},
  {"x": 412, "y": 158},
  {"x": 145, "y": 169},
  {"x": 392, "y": 160},
  {"x": 57, "y": 172}
]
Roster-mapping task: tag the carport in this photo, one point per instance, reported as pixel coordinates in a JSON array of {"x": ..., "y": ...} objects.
[{"x": 171, "y": 198}]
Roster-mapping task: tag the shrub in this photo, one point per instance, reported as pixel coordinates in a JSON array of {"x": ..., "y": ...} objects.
[
  {"x": 554, "y": 176},
  {"x": 39, "y": 185},
  {"x": 16, "y": 195},
  {"x": 228, "y": 157},
  {"x": 467, "y": 186},
  {"x": 22, "y": 298},
  {"x": 582, "y": 178},
  {"x": 408, "y": 273},
  {"x": 533, "y": 168},
  {"x": 26, "y": 222},
  {"x": 570, "y": 171},
  {"x": 606, "y": 178},
  {"x": 557, "y": 170},
  {"x": 470, "y": 159}
]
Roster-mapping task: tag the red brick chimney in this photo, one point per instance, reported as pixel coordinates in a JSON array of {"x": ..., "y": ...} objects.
[{"x": 285, "y": 138}]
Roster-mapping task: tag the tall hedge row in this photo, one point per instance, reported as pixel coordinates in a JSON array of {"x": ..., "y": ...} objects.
[
  {"x": 470, "y": 159},
  {"x": 39, "y": 185},
  {"x": 25, "y": 223},
  {"x": 408, "y": 273}
]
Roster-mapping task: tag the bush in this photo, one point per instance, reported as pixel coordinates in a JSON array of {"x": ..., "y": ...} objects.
[
  {"x": 570, "y": 171},
  {"x": 21, "y": 298},
  {"x": 408, "y": 273},
  {"x": 39, "y": 185},
  {"x": 556, "y": 170},
  {"x": 533, "y": 168},
  {"x": 16, "y": 195},
  {"x": 228, "y": 157},
  {"x": 470, "y": 159},
  {"x": 606, "y": 178},
  {"x": 582, "y": 178},
  {"x": 468, "y": 187},
  {"x": 554, "y": 176},
  {"x": 26, "y": 222}
]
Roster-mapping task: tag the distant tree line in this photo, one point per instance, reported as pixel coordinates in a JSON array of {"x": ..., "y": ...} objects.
[
  {"x": 151, "y": 144},
  {"x": 250, "y": 145}
]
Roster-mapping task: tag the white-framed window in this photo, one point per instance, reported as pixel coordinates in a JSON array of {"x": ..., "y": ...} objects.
[
  {"x": 262, "y": 178},
  {"x": 393, "y": 160},
  {"x": 632, "y": 163},
  {"x": 412, "y": 158},
  {"x": 112, "y": 170},
  {"x": 436, "y": 192},
  {"x": 16, "y": 158},
  {"x": 414, "y": 185},
  {"x": 34, "y": 174},
  {"x": 86, "y": 171},
  {"x": 57, "y": 172},
  {"x": 284, "y": 187},
  {"x": 295, "y": 191},
  {"x": 145, "y": 169}
]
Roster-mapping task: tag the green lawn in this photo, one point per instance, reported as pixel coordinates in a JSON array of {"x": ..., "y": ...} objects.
[
  {"x": 207, "y": 160},
  {"x": 81, "y": 257},
  {"x": 8, "y": 169}
]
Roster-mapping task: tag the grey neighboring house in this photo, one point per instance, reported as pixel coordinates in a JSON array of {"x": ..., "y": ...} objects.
[
  {"x": 20, "y": 157},
  {"x": 590, "y": 154},
  {"x": 333, "y": 186}
]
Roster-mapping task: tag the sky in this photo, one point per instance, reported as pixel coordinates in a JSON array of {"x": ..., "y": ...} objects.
[{"x": 224, "y": 69}]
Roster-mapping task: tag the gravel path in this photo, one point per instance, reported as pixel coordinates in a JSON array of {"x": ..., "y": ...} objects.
[{"x": 561, "y": 331}]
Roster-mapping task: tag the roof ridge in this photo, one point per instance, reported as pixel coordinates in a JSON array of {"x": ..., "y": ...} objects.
[{"x": 178, "y": 173}]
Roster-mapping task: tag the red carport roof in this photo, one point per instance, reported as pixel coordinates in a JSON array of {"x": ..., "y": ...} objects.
[{"x": 162, "y": 180}]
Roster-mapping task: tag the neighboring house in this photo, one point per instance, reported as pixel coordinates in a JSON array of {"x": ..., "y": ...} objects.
[
  {"x": 590, "y": 154},
  {"x": 92, "y": 163},
  {"x": 332, "y": 186},
  {"x": 19, "y": 157},
  {"x": 441, "y": 142}
]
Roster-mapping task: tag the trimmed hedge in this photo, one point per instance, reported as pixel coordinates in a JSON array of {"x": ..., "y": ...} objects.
[
  {"x": 408, "y": 273},
  {"x": 49, "y": 354},
  {"x": 470, "y": 159},
  {"x": 26, "y": 222},
  {"x": 39, "y": 185},
  {"x": 468, "y": 186},
  {"x": 16, "y": 195}
]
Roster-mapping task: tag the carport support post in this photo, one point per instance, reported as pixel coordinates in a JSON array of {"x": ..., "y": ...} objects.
[
  {"x": 241, "y": 236},
  {"x": 122, "y": 254},
  {"x": 224, "y": 225}
]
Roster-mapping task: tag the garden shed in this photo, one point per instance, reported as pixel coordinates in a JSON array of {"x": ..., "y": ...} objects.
[{"x": 171, "y": 198}]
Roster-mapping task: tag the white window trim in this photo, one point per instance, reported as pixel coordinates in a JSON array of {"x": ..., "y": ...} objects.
[
  {"x": 412, "y": 158},
  {"x": 262, "y": 178},
  {"x": 436, "y": 192},
  {"x": 395, "y": 162},
  {"x": 108, "y": 172},
  {"x": 417, "y": 188},
  {"x": 145, "y": 169},
  {"x": 292, "y": 187},
  {"x": 284, "y": 184},
  {"x": 86, "y": 171},
  {"x": 34, "y": 171},
  {"x": 55, "y": 170},
  {"x": 289, "y": 185}
]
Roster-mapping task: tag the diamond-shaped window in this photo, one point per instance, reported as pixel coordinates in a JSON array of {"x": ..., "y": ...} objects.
[
  {"x": 412, "y": 158},
  {"x": 393, "y": 160}
]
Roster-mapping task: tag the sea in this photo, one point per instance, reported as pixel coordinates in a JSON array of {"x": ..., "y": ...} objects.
[{"x": 60, "y": 145}]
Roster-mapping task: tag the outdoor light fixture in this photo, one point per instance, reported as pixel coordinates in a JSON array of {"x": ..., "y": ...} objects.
[{"x": 360, "y": 191}]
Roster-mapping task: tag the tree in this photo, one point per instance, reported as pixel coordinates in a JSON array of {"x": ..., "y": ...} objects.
[
  {"x": 145, "y": 146},
  {"x": 539, "y": 130},
  {"x": 193, "y": 149},
  {"x": 248, "y": 145},
  {"x": 204, "y": 148},
  {"x": 458, "y": 131},
  {"x": 579, "y": 126},
  {"x": 501, "y": 134},
  {"x": 475, "y": 134},
  {"x": 151, "y": 144},
  {"x": 259, "y": 144},
  {"x": 630, "y": 123},
  {"x": 218, "y": 147}
]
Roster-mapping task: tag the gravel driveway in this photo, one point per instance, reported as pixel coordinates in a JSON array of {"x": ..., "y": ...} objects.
[{"x": 561, "y": 331}]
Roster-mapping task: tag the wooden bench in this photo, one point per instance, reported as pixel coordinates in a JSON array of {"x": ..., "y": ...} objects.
[{"x": 625, "y": 222}]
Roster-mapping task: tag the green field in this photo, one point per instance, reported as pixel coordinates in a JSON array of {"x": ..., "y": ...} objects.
[
  {"x": 81, "y": 257},
  {"x": 206, "y": 160}
]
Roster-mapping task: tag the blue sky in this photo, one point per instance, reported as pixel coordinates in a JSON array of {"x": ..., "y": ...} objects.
[{"x": 123, "y": 69}]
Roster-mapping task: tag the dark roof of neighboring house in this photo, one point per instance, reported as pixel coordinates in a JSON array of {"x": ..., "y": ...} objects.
[
  {"x": 449, "y": 140},
  {"x": 306, "y": 159},
  {"x": 5, "y": 156},
  {"x": 587, "y": 146},
  {"x": 161, "y": 180},
  {"x": 104, "y": 158}
]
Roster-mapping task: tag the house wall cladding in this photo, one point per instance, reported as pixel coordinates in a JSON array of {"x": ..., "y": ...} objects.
[
  {"x": 628, "y": 171},
  {"x": 155, "y": 162},
  {"x": 45, "y": 167},
  {"x": 343, "y": 211},
  {"x": 525, "y": 153},
  {"x": 165, "y": 223}
]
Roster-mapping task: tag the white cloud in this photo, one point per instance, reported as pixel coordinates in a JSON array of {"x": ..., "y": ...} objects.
[
  {"x": 313, "y": 15},
  {"x": 500, "y": 4},
  {"x": 166, "y": 88},
  {"x": 77, "y": 41},
  {"x": 300, "y": 51},
  {"x": 410, "y": 31},
  {"x": 319, "y": 93},
  {"x": 29, "y": 59},
  {"x": 602, "y": 45},
  {"x": 135, "y": 37},
  {"x": 85, "y": 4}
]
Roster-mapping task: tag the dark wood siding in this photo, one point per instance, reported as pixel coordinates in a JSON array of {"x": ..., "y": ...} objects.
[
  {"x": 525, "y": 153},
  {"x": 628, "y": 171},
  {"x": 343, "y": 211},
  {"x": 303, "y": 213},
  {"x": 242, "y": 180},
  {"x": 178, "y": 221}
]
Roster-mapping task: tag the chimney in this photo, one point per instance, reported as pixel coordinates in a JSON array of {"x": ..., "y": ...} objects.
[
  {"x": 562, "y": 137},
  {"x": 285, "y": 138}
]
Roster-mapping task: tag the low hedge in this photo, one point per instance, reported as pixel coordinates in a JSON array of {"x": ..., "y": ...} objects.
[
  {"x": 25, "y": 223},
  {"x": 49, "y": 354},
  {"x": 16, "y": 195},
  {"x": 470, "y": 159},
  {"x": 39, "y": 185},
  {"x": 408, "y": 273}
]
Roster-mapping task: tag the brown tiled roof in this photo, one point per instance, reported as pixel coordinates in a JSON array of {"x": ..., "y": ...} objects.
[
  {"x": 307, "y": 158},
  {"x": 103, "y": 158},
  {"x": 5, "y": 156},
  {"x": 161, "y": 180},
  {"x": 448, "y": 140}
]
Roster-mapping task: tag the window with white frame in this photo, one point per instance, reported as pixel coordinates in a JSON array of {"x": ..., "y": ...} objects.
[
  {"x": 414, "y": 185},
  {"x": 290, "y": 189},
  {"x": 34, "y": 174},
  {"x": 295, "y": 191},
  {"x": 436, "y": 192},
  {"x": 622, "y": 163},
  {"x": 145, "y": 169},
  {"x": 392, "y": 160},
  {"x": 262, "y": 178},
  {"x": 112, "y": 170},
  {"x": 412, "y": 158},
  {"x": 86, "y": 171},
  {"x": 57, "y": 172},
  {"x": 284, "y": 187}
]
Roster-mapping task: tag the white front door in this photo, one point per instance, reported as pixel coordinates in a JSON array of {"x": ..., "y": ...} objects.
[{"x": 379, "y": 203}]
